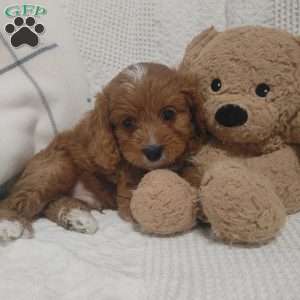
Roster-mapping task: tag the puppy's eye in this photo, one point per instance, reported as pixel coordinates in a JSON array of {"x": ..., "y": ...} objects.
[
  {"x": 216, "y": 85},
  {"x": 262, "y": 90},
  {"x": 168, "y": 114},
  {"x": 129, "y": 123}
]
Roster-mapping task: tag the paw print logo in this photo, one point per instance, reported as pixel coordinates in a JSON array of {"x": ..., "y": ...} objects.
[{"x": 24, "y": 33}]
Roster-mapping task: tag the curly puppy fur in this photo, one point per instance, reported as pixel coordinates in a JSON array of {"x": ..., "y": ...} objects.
[{"x": 143, "y": 120}]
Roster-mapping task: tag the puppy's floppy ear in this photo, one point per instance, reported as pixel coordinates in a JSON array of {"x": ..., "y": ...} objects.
[
  {"x": 104, "y": 145},
  {"x": 197, "y": 44},
  {"x": 96, "y": 136}
]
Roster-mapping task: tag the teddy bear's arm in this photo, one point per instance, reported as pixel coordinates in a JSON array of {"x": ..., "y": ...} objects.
[
  {"x": 192, "y": 174},
  {"x": 241, "y": 205}
]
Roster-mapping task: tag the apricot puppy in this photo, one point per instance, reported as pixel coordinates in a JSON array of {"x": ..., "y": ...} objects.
[{"x": 143, "y": 120}]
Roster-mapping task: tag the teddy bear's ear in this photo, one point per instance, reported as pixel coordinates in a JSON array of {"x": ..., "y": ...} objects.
[
  {"x": 293, "y": 135},
  {"x": 294, "y": 128},
  {"x": 289, "y": 120},
  {"x": 196, "y": 46},
  {"x": 191, "y": 94}
]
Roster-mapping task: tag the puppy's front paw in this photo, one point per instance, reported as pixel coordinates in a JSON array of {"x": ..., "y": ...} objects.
[
  {"x": 11, "y": 230},
  {"x": 80, "y": 221},
  {"x": 125, "y": 214}
]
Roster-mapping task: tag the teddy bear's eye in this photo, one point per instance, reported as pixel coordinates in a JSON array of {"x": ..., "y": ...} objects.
[
  {"x": 216, "y": 85},
  {"x": 262, "y": 90}
]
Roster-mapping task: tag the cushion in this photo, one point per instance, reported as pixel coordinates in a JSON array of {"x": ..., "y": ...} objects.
[{"x": 44, "y": 90}]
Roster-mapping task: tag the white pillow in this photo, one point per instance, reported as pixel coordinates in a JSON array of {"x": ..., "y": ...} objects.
[{"x": 42, "y": 89}]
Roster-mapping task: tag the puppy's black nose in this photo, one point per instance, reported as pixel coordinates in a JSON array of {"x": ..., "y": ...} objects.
[
  {"x": 231, "y": 115},
  {"x": 153, "y": 152}
]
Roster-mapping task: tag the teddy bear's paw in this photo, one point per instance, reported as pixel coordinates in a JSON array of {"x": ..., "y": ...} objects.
[
  {"x": 79, "y": 220},
  {"x": 244, "y": 228},
  {"x": 241, "y": 206},
  {"x": 164, "y": 203}
]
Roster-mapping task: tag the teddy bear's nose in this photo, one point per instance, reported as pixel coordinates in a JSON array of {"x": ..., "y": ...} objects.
[{"x": 231, "y": 115}]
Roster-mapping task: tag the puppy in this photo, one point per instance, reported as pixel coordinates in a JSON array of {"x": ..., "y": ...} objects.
[{"x": 143, "y": 120}]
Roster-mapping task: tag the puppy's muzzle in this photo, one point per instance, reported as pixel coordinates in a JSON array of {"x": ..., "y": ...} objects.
[
  {"x": 153, "y": 152},
  {"x": 231, "y": 115}
]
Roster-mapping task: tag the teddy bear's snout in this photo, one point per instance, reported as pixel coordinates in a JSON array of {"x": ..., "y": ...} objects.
[{"x": 231, "y": 115}]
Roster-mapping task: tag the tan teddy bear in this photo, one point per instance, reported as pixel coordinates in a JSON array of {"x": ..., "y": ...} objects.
[{"x": 249, "y": 83}]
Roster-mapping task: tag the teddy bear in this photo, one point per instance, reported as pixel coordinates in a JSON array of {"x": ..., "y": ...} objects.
[{"x": 248, "y": 83}]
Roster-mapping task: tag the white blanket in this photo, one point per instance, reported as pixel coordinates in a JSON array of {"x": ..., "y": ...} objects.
[{"x": 118, "y": 263}]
